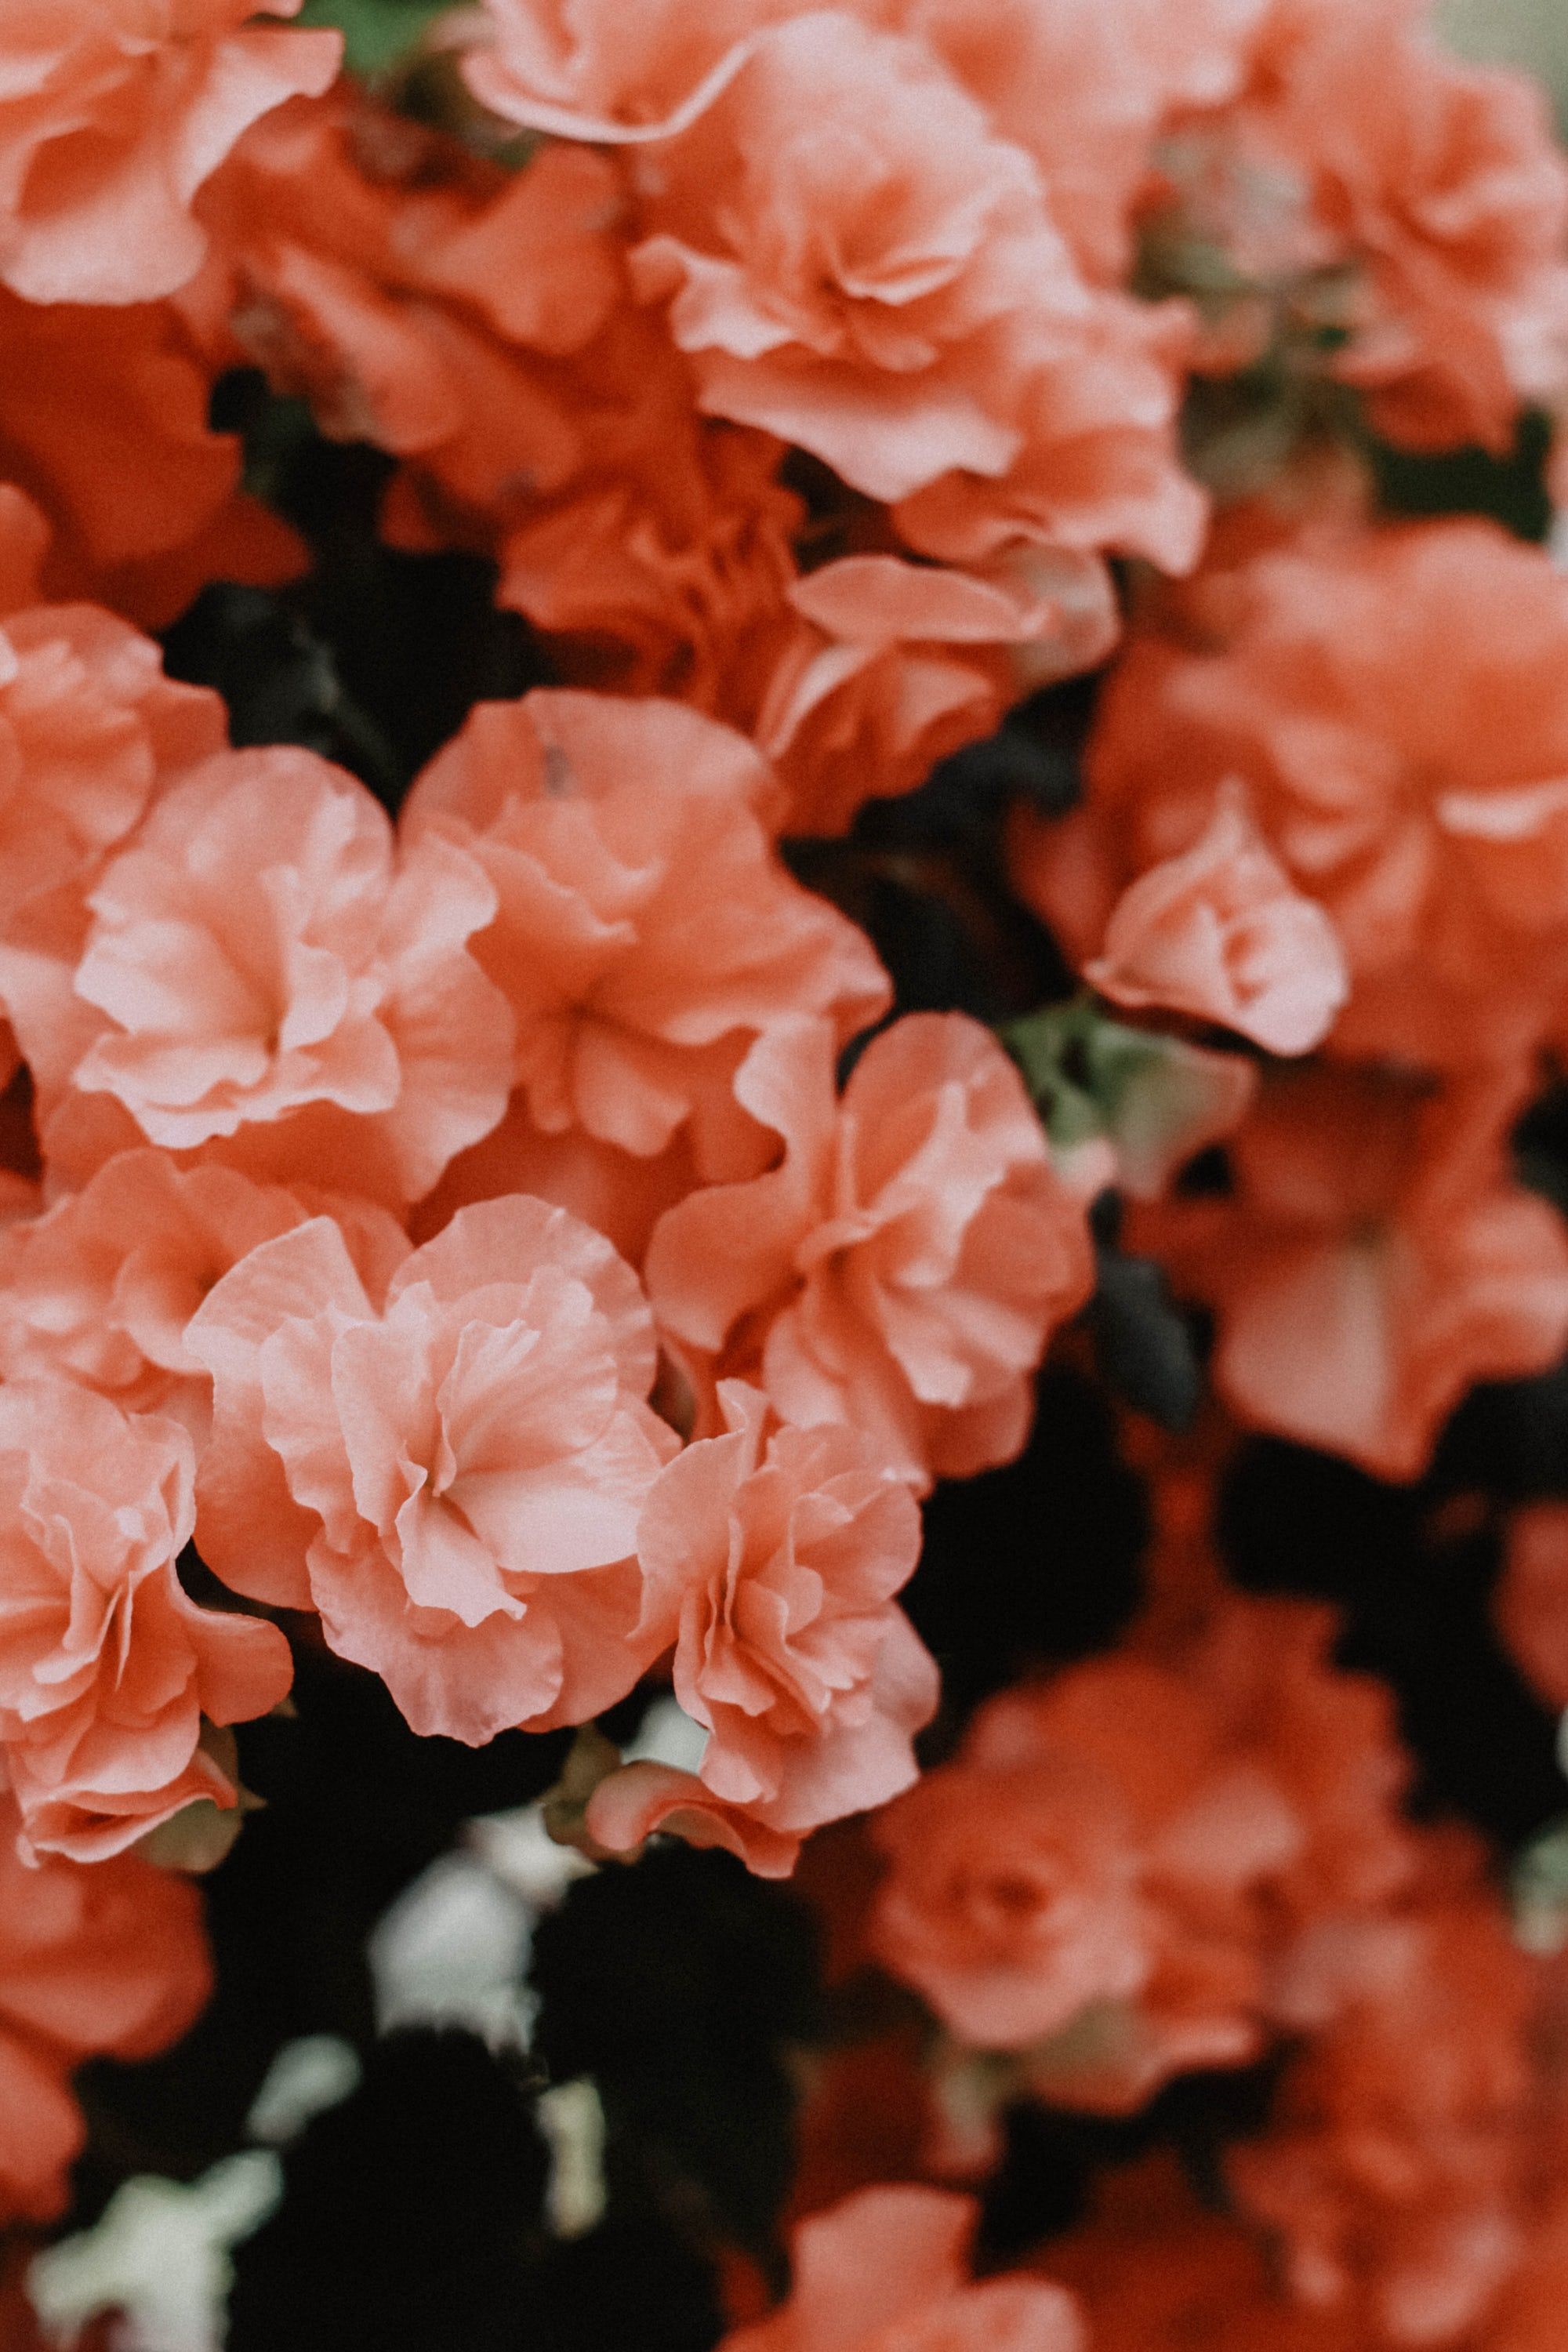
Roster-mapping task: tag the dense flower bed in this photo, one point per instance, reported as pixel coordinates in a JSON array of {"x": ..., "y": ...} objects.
[{"x": 784, "y": 1002}]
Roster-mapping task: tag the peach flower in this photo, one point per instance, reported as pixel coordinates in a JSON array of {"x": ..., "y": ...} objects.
[
  {"x": 477, "y": 327},
  {"x": 1395, "y": 701},
  {"x": 1394, "y": 2173},
  {"x": 1220, "y": 932},
  {"x": 1531, "y": 1600},
  {"x": 638, "y": 1800},
  {"x": 842, "y": 241},
  {"x": 419, "y": 297},
  {"x": 591, "y": 70},
  {"x": 106, "y": 1669},
  {"x": 107, "y": 1960},
  {"x": 266, "y": 980},
  {"x": 103, "y": 420},
  {"x": 1083, "y": 92},
  {"x": 1087, "y": 91},
  {"x": 1375, "y": 1262},
  {"x": 772, "y": 1569},
  {"x": 644, "y": 930},
  {"x": 1442, "y": 183},
  {"x": 111, "y": 119},
  {"x": 453, "y": 1479},
  {"x": 101, "y": 1286},
  {"x": 893, "y": 665},
  {"x": 885, "y": 2270},
  {"x": 902, "y": 1267},
  {"x": 91, "y": 732},
  {"x": 1097, "y": 465},
  {"x": 1106, "y": 1876}
]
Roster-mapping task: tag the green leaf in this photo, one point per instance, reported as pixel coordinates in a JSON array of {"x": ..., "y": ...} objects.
[
  {"x": 1156, "y": 1100},
  {"x": 377, "y": 34}
]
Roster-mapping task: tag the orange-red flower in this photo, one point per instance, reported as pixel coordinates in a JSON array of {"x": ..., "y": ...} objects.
[
  {"x": 902, "y": 1267},
  {"x": 1395, "y": 702},
  {"x": 1155, "y": 2270},
  {"x": 1110, "y": 1873},
  {"x": 1441, "y": 186},
  {"x": 111, "y": 119},
  {"x": 108, "y": 1960},
  {"x": 1373, "y": 1262},
  {"x": 887, "y": 2271},
  {"x": 266, "y": 979},
  {"x": 107, "y": 1668},
  {"x": 1220, "y": 932},
  {"x": 451, "y": 1476},
  {"x": 644, "y": 930},
  {"x": 1395, "y": 2173},
  {"x": 772, "y": 1573},
  {"x": 103, "y": 421}
]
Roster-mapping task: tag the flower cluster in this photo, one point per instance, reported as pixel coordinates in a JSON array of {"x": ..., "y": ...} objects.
[{"x": 548, "y": 1207}]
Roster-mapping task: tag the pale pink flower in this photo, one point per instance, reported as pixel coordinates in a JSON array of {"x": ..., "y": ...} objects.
[{"x": 452, "y": 1477}]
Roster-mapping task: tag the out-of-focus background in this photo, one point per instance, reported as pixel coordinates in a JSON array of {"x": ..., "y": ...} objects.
[{"x": 1532, "y": 33}]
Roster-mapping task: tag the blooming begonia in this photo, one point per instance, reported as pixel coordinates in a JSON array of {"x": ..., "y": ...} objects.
[
  {"x": 771, "y": 1569},
  {"x": 1105, "y": 1877},
  {"x": 451, "y": 1476},
  {"x": 1438, "y": 186},
  {"x": 643, "y": 930},
  {"x": 1155, "y": 2270},
  {"x": 107, "y": 1668},
  {"x": 852, "y": 290},
  {"x": 481, "y": 331},
  {"x": 266, "y": 980},
  {"x": 100, "y": 1286},
  {"x": 1395, "y": 702},
  {"x": 112, "y": 117},
  {"x": 1394, "y": 2171},
  {"x": 91, "y": 732},
  {"x": 1220, "y": 932},
  {"x": 1374, "y": 1261},
  {"x": 106, "y": 1958},
  {"x": 902, "y": 1267},
  {"x": 887, "y": 2267}
]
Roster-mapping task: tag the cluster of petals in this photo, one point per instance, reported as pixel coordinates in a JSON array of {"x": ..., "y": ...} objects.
[
  {"x": 1373, "y": 1259},
  {"x": 1219, "y": 932},
  {"x": 102, "y": 1960},
  {"x": 1425, "y": 198},
  {"x": 500, "y": 337},
  {"x": 99, "y": 1287},
  {"x": 1155, "y": 2270},
  {"x": 1107, "y": 1877},
  {"x": 450, "y": 1473},
  {"x": 770, "y": 1563},
  {"x": 108, "y": 1670},
  {"x": 91, "y": 732},
  {"x": 112, "y": 118},
  {"x": 859, "y": 257},
  {"x": 1396, "y": 2174},
  {"x": 644, "y": 932},
  {"x": 266, "y": 979},
  {"x": 1394, "y": 701},
  {"x": 889, "y": 2266},
  {"x": 902, "y": 1266}
]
